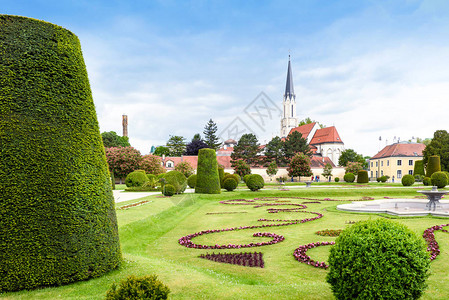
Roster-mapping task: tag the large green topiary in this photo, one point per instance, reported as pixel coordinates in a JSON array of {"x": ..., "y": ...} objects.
[
  {"x": 208, "y": 180},
  {"x": 255, "y": 182},
  {"x": 362, "y": 176},
  {"x": 439, "y": 179},
  {"x": 433, "y": 165},
  {"x": 191, "y": 181},
  {"x": 418, "y": 169},
  {"x": 378, "y": 259},
  {"x": 408, "y": 180},
  {"x": 349, "y": 177},
  {"x": 57, "y": 217},
  {"x": 136, "y": 178},
  {"x": 177, "y": 180}
]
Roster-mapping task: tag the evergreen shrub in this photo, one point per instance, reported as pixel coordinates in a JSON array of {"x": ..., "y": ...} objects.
[
  {"x": 433, "y": 165},
  {"x": 236, "y": 177},
  {"x": 408, "y": 180},
  {"x": 230, "y": 184},
  {"x": 221, "y": 175},
  {"x": 168, "y": 190},
  {"x": 57, "y": 214},
  {"x": 418, "y": 169},
  {"x": 136, "y": 178},
  {"x": 362, "y": 176},
  {"x": 426, "y": 181},
  {"x": 382, "y": 179},
  {"x": 337, "y": 179},
  {"x": 191, "y": 181},
  {"x": 146, "y": 287},
  {"x": 349, "y": 177},
  {"x": 439, "y": 179},
  {"x": 418, "y": 178},
  {"x": 208, "y": 180},
  {"x": 245, "y": 178},
  {"x": 378, "y": 259},
  {"x": 177, "y": 180},
  {"x": 255, "y": 182}
]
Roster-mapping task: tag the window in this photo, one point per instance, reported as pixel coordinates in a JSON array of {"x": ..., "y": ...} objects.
[
  {"x": 382, "y": 163},
  {"x": 410, "y": 162},
  {"x": 377, "y": 174},
  {"x": 382, "y": 173},
  {"x": 169, "y": 164},
  {"x": 292, "y": 111},
  {"x": 371, "y": 174},
  {"x": 377, "y": 163},
  {"x": 410, "y": 172},
  {"x": 399, "y": 174},
  {"x": 388, "y": 163},
  {"x": 399, "y": 162}
]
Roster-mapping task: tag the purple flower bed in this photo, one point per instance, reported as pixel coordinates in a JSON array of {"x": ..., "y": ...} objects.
[
  {"x": 246, "y": 259},
  {"x": 301, "y": 256},
  {"x": 329, "y": 232},
  {"x": 432, "y": 245}
]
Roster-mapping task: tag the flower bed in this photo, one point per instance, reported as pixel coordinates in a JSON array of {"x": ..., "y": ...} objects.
[
  {"x": 329, "y": 232},
  {"x": 134, "y": 204},
  {"x": 246, "y": 259},
  {"x": 432, "y": 244},
  {"x": 301, "y": 256}
]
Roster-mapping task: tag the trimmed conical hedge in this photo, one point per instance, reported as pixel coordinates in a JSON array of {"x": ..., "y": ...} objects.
[
  {"x": 433, "y": 165},
  {"x": 418, "y": 169},
  {"x": 57, "y": 217},
  {"x": 207, "y": 180}
]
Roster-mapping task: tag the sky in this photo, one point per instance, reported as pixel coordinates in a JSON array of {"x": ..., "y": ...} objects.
[{"x": 377, "y": 70}]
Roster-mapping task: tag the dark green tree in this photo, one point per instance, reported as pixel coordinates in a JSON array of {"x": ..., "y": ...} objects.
[
  {"x": 438, "y": 146},
  {"x": 194, "y": 146},
  {"x": 197, "y": 137},
  {"x": 176, "y": 145},
  {"x": 274, "y": 151},
  {"x": 247, "y": 149},
  {"x": 210, "y": 136},
  {"x": 295, "y": 143},
  {"x": 349, "y": 155},
  {"x": 309, "y": 121},
  {"x": 112, "y": 139},
  {"x": 162, "y": 150}
]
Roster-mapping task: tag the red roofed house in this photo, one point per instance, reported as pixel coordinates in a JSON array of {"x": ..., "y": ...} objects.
[{"x": 395, "y": 160}]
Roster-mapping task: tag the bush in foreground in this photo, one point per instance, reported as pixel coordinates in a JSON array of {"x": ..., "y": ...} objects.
[
  {"x": 349, "y": 177},
  {"x": 255, "y": 182},
  {"x": 408, "y": 180},
  {"x": 378, "y": 259},
  {"x": 439, "y": 179},
  {"x": 168, "y": 190},
  {"x": 146, "y": 287}
]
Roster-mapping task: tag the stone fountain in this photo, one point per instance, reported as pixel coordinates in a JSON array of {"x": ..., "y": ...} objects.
[{"x": 434, "y": 197}]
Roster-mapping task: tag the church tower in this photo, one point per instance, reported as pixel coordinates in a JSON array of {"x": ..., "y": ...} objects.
[{"x": 289, "y": 119}]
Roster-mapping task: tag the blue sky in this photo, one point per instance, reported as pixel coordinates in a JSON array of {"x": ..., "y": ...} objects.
[{"x": 371, "y": 68}]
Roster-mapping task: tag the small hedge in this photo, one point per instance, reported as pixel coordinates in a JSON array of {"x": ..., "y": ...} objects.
[
  {"x": 439, "y": 179},
  {"x": 177, "y": 180},
  {"x": 408, "y": 180},
  {"x": 426, "y": 181},
  {"x": 236, "y": 177},
  {"x": 168, "y": 190},
  {"x": 337, "y": 179},
  {"x": 136, "y": 178},
  {"x": 146, "y": 287},
  {"x": 362, "y": 176},
  {"x": 255, "y": 182},
  {"x": 433, "y": 165},
  {"x": 191, "y": 181},
  {"x": 378, "y": 259},
  {"x": 208, "y": 180},
  {"x": 57, "y": 213},
  {"x": 230, "y": 184},
  {"x": 349, "y": 177}
]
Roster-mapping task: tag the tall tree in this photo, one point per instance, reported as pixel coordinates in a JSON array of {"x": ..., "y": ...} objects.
[
  {"x": 152, "y": 164},
  {"x": 123, "y": 160},
  {"x": 438, "y": 146},
  {"x": 299, "y": 166},
  {"x": 309, "y": 121},
  {"x": 349, "y": 155},
  {"x": 210, "y": 137},
  {"x": 327, "y": 171},
  {"x": 247, "y": 149},
  {"x": 177, "y": 145},
  {"x": 272, "y": 169},
  {"x": 274, "y": 151},
  {"x": 112, "y": 139},
  {"x": 295, "y": 143},
  {"x": 162, "y": 150},
  {"x": 194, "y": 146}
]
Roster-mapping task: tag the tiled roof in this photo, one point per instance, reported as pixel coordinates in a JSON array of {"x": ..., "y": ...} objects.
[
  {"x": 193, "y": 160},
  {"x": 304, "y": 129},
  {"x": 401, "y": 150},
  {"x": 326, "y": 135},
  {"x": 318, "y": 161}
]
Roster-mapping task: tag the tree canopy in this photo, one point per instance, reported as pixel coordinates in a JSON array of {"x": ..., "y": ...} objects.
[
  {"x": 194, "y": 146},
  {"x": 247, "y": 149},
  {"x": 112, "y": 139},
  {"x": 162, "y": 150},
  {"x": 438, "y": 146},
  {"x": 299, "y": 165},
  {"x": 274, "y": 151},
  {"x": 295, "y": 143},
  {"x": 309, "y": 121},
  {"x": 210, "y": 137},
  {"x": 176, "y": 145},
  {"x": 349, "y": 155}
]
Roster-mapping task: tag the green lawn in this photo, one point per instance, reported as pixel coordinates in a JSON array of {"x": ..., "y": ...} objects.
[{"x": 149, "y": 237}]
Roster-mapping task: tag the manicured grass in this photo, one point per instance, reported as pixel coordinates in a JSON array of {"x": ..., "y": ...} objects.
[{"x": 149, "y": 237}]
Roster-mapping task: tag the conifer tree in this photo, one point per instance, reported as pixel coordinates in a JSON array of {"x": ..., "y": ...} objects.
[
  {"x": 295, "y": 143},
  {"x": 247, "y": 149},
  {"x": 210, "y": 137}
]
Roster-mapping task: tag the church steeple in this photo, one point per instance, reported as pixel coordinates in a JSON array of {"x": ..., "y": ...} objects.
[
  {"x": 289, "y": 91},
  {"x": 289, "y": 119}
]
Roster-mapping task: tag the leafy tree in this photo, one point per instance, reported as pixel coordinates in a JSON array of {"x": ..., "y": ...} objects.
[
  {"x": 197, "y": 136},
  {"x": 194, "y": 146},
  {"x": 353, "y": 167},
  {"x": 309, "y": 121},
  {"x": 123, "y": 160},
  {"x": 272, "y": 169},
  {"x": 438, "y": 146},
  {"x": 327, "y": 171},
  {"x": 210, "y": 137},
  {"x": 274, "y": 151},
  {"x": 247, "y": 149},
  {"x": 152, "y": 164},
  {"x": 295, "y": 143},
  {"x": 185, "y": 168},
  {"x": 241, "y": 168},
  {"x": 350, "y": 155},
  {"x": 425, "y": 141},
  {"x": 299, "y": 166},
  {"x": 162, "y": 150},
  {"x": 177, "y": 145},
  {"x": 111, "y": 139}
]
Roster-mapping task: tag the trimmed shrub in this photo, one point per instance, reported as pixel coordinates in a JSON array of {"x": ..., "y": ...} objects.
[
  {"x": 236, "y": 177},
  {"x": 208, "y": 180},
  {"x": 447, "y": 174},
  {"x": 136, "y": 178},
  {"x": 349, "y": 177},
  {"x": 177, "y": 180},
  {"x": 191, "y": 181},
  {"x": 408, "y": 180},
  {"x": 221, "y": 175},
  {"x": 57, "y": 216},
  {"x": 383, "y": 179},
  {"x": 230, "y": 184},
  {"x": 337, "y": 179},
  {"x": 418, "y": 169},
  {"x": 378, "y": 259},
  {"x": 185, "y": 168},
  {"x": 433, "y": 165},
  {"x": 112, "y": 180},
  {"x": 418, "y": 178},
  {"x": 255, "y": 182},
  {"x": 146, "y": 287},
  {"x": 426, "y": 181},
  {"x": 439, "y": 179},
  {"x": 168, "y": 190},
  {"x": 245, "y": 178},
  {"x": 362, "y": 176}
]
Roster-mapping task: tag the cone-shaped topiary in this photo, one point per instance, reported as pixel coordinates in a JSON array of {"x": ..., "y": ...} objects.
[
  {"x": 433, "y": 165},
  {"x": 418, "y": 169},
  {"x": 57, "y": 216},
  {"x": 362, "y": 176},
  {"x": 207, "y": 180}
]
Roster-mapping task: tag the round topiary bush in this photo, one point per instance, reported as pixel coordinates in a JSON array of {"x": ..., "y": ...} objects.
[
  {"x": 383, "y": 179},
  {"x": 230, "y": 184},
  {"x": 426, "y": 181},
  {"x": 146, "y": 287},
  {"x": 136, "y": 178},
  {"x": 236, "y": 177},
  {"x": 408, "y": 180},
  {"x": 168, "y": 190},
  {"x": 433, "y": 165},
  {"x": 245, "y": 178},
  {"x": 337, "y": 179},
  {"x": 349, "y": 177},
  {"x": 191, "y": 181},
  {"x": 362, "y": 176},
  {"x": 439, "y": 179},
  {"x": 177, "y": 180},
  {"x": 208, "y": 180},
  {"x": 255, "y": 182},
  {"x": 378, "y": 259},
  {"x": 57, "y": 215}
]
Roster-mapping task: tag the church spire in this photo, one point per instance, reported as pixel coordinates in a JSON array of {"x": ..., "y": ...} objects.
[{"x": 289, "y": 91}]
